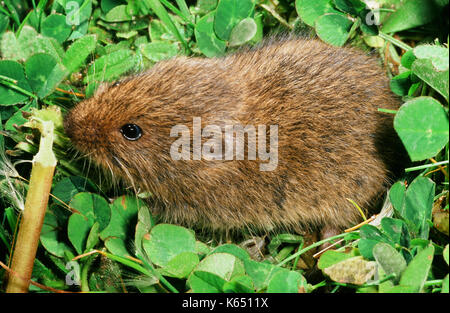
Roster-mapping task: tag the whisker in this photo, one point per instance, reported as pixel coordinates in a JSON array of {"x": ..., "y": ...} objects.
[{"x": 126, "y": 172}]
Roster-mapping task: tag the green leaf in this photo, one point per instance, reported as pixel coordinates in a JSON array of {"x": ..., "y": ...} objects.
[
  {"x": 68, "y": 187},
  {"x": 419, "y": 243},
  {"x": 48, "y": 274},
  {"x": 309, "y": 11},
  {"x": 124, "y": 212},
  {"x": 167, "y": 241},
  {"x": 411, "y": 14},
  {"x": 331, "y": 257},
  {"x": 422, "y": 125},
  {"x": 44, "y": 74},
  {"x": 445, "y": 254},
  {"x": 397, "y": 196},
  {"x": 9, "y": 46},
  {"x": 279, "y": 239},
  {"x": 234, "y": 250},
  {"x": 416, "y": 272},
  {"x": 418, "y": 205},
  {"x": 261, "y": 273},
  {"x": 89, "y": 208},
  {"x": 213, "y": 271},
  {"x": 333, "y": 28},
  {"x": 258, "y": 18},
  {"x": 437, "y": 54},
  {"x": 4, "y": 21},
  {"x": 202, "y": 248},
  {"x": 56, "y": 26},
  {"x": 118, "y": 14},
  {"x": 14, "y": 70},
  {"x": 401, "y": 289},
  {"x": 78, "y": 16},
  {"x": 445, "y": 285},
  {"x": 353, "y": 7},
  {"x": 370, "y": 236},
  {"x": 207, "y": 41},
  {"x": 408, "y": 58},
  {"x": 396, "y": 230},
  {"x": 117, "y": 246},
  {"x": 229, "y": 13},
  {"x": 243, "y": 32},
  {"x": 414, "y": 88},
  {"x": 162, "y": 14},
  {"x": 51, "y": 236},
  {"x": 156, "y": 30},
  {"x": 93, "y": 237},
  {"x": 79, "y": 31},
  {"x": 438, "y": 80},
  {"x": 181, "y": 265},
  {"x": 389, "y": 259},
  {"x": 144, "y": 224},
  {"x": 355, "y": 270},
  {"x": 78, "y": 11},
  {"x": 110, "y": 67},
  {"x": 239, "y": 284},
  {"x": 108, "y": 5},
  {"x": 400, "y": 84},
  {"x": 206, "y": 282},
  {"x": 206, "y": 5},
  {"x": 28, "y": 43},
  {"x": 77, "y": 53},
  {"x": 374, "y": 41},
  {"x": 157, "y": 51},
  {"x": 286, "y": 282}
]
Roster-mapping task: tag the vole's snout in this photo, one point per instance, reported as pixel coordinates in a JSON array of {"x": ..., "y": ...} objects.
[{"x": 81, "y": 136}]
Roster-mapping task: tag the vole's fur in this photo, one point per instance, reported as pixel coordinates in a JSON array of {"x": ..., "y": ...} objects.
[{"x": 333, "y": 144}]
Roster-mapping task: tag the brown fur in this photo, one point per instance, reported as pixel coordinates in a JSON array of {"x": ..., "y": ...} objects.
[{"x": 333, "y": 144}]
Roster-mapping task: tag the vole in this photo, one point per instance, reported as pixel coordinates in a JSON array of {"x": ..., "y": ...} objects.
[{"x": 313, "y": 106}]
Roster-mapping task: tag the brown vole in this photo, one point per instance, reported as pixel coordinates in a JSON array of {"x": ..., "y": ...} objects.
[{"x": 332, "y": 143}]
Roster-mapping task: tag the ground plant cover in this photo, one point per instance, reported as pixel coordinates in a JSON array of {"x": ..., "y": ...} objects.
[{"x": 99, "y": 236}]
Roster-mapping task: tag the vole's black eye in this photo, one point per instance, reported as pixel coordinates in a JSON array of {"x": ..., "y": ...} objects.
[{"x": 131, "y": 131}]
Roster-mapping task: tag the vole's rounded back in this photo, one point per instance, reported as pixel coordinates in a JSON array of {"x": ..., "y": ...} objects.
[{"x": 330, "y": 143}]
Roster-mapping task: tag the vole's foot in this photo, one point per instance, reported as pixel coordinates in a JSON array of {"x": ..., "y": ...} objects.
[{"x": 327, "y": 232}]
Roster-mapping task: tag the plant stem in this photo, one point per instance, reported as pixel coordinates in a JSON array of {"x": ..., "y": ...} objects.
[
  {"x": 44, "y": 163},
  {"x": 139, "y": 268},
  {"x": 171, "y": 7},
  {"x": 380, "y": 281},
  {"x": 300, "y": 247},
  {"x": 433, "y": 282},
  {"x": 5, "y": 12},
  {"x": 394, "y": 41},
  {"x": 386, "y": 10},
  {"x": 387, "y": 111},
  {"x": 276, "y": 16},
  {"x": 11, "y": 83},
  {"x": 422, "y": 167},
  {"x": 314, "y": 245},
  {"x": 84, "y": 274}
]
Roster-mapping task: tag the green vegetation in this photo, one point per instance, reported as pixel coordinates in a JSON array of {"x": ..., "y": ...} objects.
[{"x": 55, "y": 53}]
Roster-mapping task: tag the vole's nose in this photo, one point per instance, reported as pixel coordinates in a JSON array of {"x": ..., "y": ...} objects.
[{"x": 82, "y": 130}]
